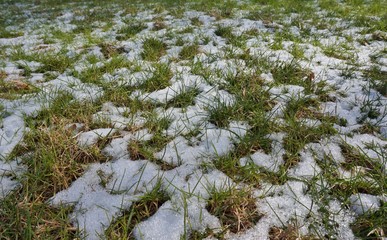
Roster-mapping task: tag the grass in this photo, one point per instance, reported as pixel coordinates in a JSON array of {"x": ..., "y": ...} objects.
[
  {"x": 226, "y": 32},
  {"x": 289, "y": 232},
  {"x": 7, "y": 34},
  {"x": 33, "y": 219},
  {"x": 189, "y": 52},
  {"x": 129, "y": 31},
  {"x": 291, "y": 73},
  {"x": 221, "y": 115},
  {"x": 235, "y": 208},
  {"x": 371, "y": 225},
  {"x": 195, "y": 21},
  {"x": 15, "y": 88},
  {"x": 51, "y": 61},
  {"x": 344, "y": 53},
  {"x": 153, "y": 49},
  {"x": 159, "y": 80},
  {"x": 54, "y": 160},
  {"x": 109, "y": 50},
  {"x": 184, "y": 99},
  {"x": 140, "y": 210},
  {"x": 93, "y": 74},
  {"x": 231, "y": 166},
  {"x": 376, "y": 76}
]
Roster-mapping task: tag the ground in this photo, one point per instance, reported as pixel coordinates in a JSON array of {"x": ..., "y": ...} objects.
[{"x": 193, "y": 119}]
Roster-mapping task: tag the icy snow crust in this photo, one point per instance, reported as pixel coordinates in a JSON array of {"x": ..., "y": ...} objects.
[{"x": 106, "y": 190}]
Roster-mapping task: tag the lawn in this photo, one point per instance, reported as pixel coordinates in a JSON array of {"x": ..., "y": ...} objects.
[{"x": 193, "y": 119}]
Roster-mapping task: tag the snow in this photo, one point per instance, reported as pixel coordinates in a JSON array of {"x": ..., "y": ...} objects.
[
  {"x": 124, "y": 77},
  {"x": 10, "y": 171},
  {"x": 212, "y": 142},
  {"x": 80, "y": 91},
  {"x": 362, "y": 203},
  {"x": 180, "y": 85},
  {"x": 118, "y": 147},
  {"x": 89, "y": 138},
  {"x": 272, "y": 161},
  {"x": 11, "y": 133},
  {"x": 116, "y": 116}
]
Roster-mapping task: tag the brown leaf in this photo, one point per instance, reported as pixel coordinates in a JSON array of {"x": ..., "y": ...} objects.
[{"x": 19, "y": 85}]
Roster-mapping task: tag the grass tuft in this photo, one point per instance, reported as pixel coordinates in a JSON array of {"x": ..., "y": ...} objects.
[
  {"x": 188, "y": 52},
  {"x": 235, "y": 208},
  {"x": 153, "y": 49},
  {"x": 130, "y": 31}
]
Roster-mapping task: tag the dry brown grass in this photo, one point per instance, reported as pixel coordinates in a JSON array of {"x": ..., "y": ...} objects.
[
  {"x": 235, "y": 208},
  {"x": 109, "y": 50},
  {"x": 288, "y": 233},
  {"x": 159, "y": 24},
  {"x": 56, "y": 157}
]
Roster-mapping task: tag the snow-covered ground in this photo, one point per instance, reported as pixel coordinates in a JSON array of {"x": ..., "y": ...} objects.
[{"x": 187, "y": 183}]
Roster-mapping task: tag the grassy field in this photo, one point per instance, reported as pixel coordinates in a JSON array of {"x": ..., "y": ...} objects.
[{"x": 193, "y": 119}]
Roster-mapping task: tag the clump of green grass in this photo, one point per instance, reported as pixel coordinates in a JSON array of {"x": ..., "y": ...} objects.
[
  {"x": 223, "y": 10},
  {"x": 277, "y": 43},
  {"x": 32, "y": 218},
  {"x": 65, "y": 107},
  {"x": 145, "y": 149},
  {"x": 59, "y": 36},
  {"x": 292, "y": 73},
  {"x": 179, "y": 41},
  {"x": 371, "y": 225},
  {"x": 354, "y": 158},
  {"x": 184, "y": 99},
  {"x": 297, "y": 51},
  {"x": 226, "y": 32},
  {"x": 94, "y": 74},
  {"x": 230, "y": 165},
  {"x": 57, "y": 157},
  {"x": 251, "y": 104},
  {"x": 299, "y": 135},
  {"x": 338, "y": 51},
  {"x": 186, "y": 30},
  {"x": 15, "y": 88},
  {"x": 153, "y": 49},
  {"x": 51, "y": 61},
  {"x": 235, "y": 208},
  {"x": 290, "y": 232},
  {"x": 362, "y": 170},
  {"x": 376, "y": 77},
  {"x": 159, "y": 80},
  {"x": 368, "y": 128},
  {"x": 91, "y": 14},
  {"x": 120, "y": 96},
  {"x": 221, "y": 115},
  {"x": 129, "y": 31},
  {"x": 140, "y": 210},
  {"x": 196, "y": 22},
  {"x": 54, "y": 161},
  {"x": 8, "y": 34},
  {"x": 188, "y": 52}
]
